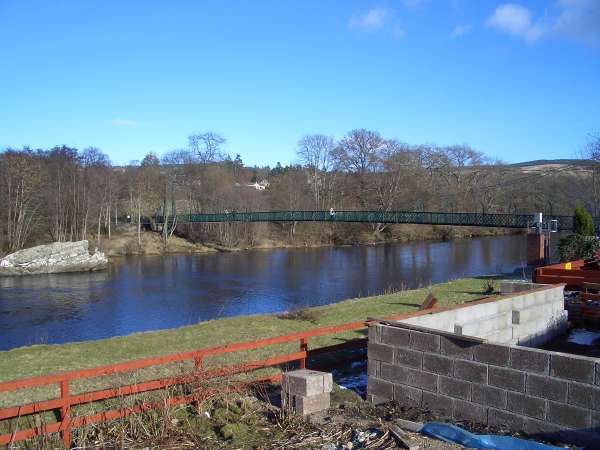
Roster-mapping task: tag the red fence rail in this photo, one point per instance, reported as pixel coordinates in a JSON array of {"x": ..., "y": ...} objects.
[{"x": 67, "y": 400}]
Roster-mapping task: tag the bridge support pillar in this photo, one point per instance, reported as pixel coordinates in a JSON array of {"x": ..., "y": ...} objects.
[{"x": 535, "y": 249}]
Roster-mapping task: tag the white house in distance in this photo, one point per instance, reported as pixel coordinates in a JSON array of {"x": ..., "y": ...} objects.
[{"x": 264, "y": 184}]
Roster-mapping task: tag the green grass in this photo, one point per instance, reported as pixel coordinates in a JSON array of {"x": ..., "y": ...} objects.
[{"x": 44, "y": 359}]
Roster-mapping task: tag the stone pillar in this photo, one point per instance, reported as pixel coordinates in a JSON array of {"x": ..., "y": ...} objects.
[
  {"x": 535, "y": 249},
  {"x": 306, "y": 391}
]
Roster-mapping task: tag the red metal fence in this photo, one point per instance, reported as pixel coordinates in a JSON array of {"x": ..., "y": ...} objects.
[{"x": 66, "y": 401}]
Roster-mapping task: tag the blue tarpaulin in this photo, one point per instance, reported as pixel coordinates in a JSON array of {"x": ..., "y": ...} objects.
[{"x": 451, "y": 433}]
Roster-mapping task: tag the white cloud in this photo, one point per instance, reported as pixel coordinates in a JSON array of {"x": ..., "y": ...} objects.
[
  {"x": 459, "y": 31},
  {"x": 123, "y": 123},
  {"x": 516, "y": 20},
  {"x": 579, "y": 20},
  {"x": 372, "y": 20}
]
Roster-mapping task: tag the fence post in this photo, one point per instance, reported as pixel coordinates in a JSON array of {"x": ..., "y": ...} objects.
[
  {"x": 65, "y": 413},
  {"x": 199, "y": 362},
  {"x": 303, "y": 348}
]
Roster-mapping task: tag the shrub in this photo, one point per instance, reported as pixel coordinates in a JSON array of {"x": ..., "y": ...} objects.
[
  {"x": 577, "y": 246},
  {"x": 584, "y": 224},
  {"x": 234, "y": 431},
  {"x": 489, "y": 287}
]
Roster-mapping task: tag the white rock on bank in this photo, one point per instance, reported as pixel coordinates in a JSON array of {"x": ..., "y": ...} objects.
[{"x": 53, "y": 258}]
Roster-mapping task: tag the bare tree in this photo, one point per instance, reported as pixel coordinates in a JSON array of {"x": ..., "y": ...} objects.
[
  {"x": 96, "y": 190},
  {"x": 183, "y": 170},
  {"x": 62, "y": 193},
  {"x": 207, "y": 146},
  {"x": 147, "y": 184},
  {"x": 592, "y": 152},
  {"x": 20, "y": 183},
  {"x": 314, "y": 151},
  {"x": 358, "y": 151},
  {"x": 395, "y": 167},
  {"x": 359, "y": 154}
]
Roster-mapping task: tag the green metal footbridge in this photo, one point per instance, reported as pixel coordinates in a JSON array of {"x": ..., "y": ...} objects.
[{"x": 564, "y": 223}]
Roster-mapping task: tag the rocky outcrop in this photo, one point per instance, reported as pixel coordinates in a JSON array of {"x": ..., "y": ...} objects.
[{"x": 53, "y": 258}]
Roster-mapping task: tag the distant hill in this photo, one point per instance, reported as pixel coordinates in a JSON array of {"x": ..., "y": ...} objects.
[
  {"x": 553, "y": 166},
  {"x": 554, "y": 162}
]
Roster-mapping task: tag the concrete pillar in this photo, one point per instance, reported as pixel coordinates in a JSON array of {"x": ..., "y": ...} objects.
[
  {"x": 306, "y": 391},
  {"x": 535, "y": 249}
]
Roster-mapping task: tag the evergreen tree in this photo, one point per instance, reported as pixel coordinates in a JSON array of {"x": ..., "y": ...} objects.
[{"x": 584, "y": 224}]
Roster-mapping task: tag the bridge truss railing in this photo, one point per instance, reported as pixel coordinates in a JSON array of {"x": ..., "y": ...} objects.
[{"x": 565, "y": 223}]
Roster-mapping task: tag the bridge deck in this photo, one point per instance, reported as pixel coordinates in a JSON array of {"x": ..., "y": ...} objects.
[{"x": 565, "y": 223}]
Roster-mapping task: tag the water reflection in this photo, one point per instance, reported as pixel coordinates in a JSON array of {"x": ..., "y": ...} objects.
[{"x": 155, "y": 292}]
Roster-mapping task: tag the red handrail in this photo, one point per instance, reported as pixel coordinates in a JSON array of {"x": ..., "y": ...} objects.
[{"x": 66, "y": 400}]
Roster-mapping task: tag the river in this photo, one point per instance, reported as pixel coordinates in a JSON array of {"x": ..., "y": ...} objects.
[{"x": 156, "y": 292}]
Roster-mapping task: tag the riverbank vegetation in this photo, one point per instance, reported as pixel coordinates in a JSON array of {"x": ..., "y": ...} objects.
[
  {"x": 124, "y": 240},
  {"x": 64, "y": 194}
]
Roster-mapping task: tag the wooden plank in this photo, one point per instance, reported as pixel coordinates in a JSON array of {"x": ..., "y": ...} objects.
[
  {"x": 403, "y": 439},
  {"x": 556, "y": 279},
  {"x": 429, "y": 302},
  {"x": 409, "y": 425}
]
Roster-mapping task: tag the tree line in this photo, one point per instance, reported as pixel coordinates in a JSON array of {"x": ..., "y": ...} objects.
[{"x": 63, "y": 194}]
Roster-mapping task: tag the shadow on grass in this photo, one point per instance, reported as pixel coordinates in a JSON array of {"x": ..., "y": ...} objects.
[
  {"x": 482, "y": 296},
  {"x": 362, "y": 333},
  {"x": 518, "y": 274},
  {"x": 411, "y": 305}
]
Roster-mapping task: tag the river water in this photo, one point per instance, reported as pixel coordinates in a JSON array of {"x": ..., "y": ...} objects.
[{"x": 156, "y": 292}]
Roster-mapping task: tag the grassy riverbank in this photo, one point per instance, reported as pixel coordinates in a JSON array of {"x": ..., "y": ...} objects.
[{"x": 43, "y": 359}]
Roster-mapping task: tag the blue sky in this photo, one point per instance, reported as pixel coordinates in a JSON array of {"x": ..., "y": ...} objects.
[{"x": 518, "y": 81}]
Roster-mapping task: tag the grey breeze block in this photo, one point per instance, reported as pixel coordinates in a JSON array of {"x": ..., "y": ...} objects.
[{"x": 306, "y": 391}]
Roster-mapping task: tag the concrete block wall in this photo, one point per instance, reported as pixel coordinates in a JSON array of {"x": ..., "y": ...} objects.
[
  {"x": 518, "y": 388},
  {"x": 529, "y": 315}
]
